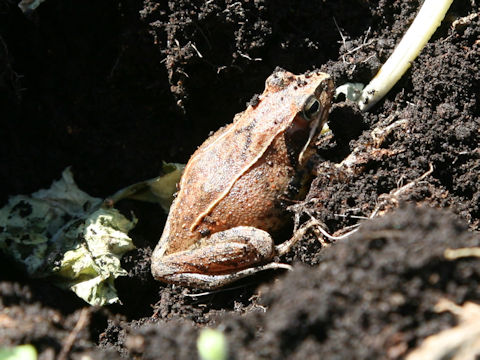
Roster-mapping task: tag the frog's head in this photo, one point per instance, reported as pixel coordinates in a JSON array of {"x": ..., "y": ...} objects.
[{"x": 310, "y": 95}]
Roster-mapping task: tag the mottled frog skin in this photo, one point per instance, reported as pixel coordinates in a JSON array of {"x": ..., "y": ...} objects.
[{"x": 218, "y": 227}]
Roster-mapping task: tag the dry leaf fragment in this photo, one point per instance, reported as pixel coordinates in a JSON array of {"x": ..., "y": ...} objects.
[{"x": 461, "y": 342}]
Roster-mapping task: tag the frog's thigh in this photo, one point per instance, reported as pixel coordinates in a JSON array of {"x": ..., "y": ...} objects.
[{"x": 220, "y": 259}]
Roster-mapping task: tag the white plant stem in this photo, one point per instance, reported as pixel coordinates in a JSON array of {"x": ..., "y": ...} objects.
[{"x": 426, "y": 22}]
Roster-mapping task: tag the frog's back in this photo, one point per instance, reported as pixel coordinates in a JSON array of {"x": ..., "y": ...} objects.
[{"x": 225, "y": 157}]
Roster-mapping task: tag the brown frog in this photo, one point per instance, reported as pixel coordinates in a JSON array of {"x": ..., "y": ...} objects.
[{"x": 229, "y": 196}]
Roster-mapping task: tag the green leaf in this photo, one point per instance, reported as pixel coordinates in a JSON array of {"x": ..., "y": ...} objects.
[
  {"x": 21, "y": 352},
  {"x": 212, "y": 345}
]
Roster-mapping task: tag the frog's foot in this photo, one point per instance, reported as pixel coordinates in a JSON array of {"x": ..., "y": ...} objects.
[
  {"x": 219, "y": 260},
  {"x": 212, "y": 282}
]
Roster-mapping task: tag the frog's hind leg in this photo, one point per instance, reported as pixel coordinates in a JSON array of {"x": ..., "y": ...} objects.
[{"x": 220, "y": 259}]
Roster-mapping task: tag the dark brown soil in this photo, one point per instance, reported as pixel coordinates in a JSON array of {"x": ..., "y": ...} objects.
[{"x": 112, "y": 88}]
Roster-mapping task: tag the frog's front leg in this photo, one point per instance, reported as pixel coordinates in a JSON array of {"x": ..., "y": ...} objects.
[{"x": 218, "y": 260}]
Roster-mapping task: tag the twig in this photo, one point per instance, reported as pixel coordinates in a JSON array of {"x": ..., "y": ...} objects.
[
  {"x": 396, "y": 193},
  {"x": 359, "y": 47},
  {"x": 351, "y": 216},
  {"x": 246, "y": 56},
  {"x": 340, "y": 32},
  {"x": 198, "y": 52},
  {"x": 331, "y": 237},
  {"x": 343, "y": 38},
  {"x": 81, "y": 323},
  {"x": 312, "y": 223},
  {"x": 380, "y": 134}
]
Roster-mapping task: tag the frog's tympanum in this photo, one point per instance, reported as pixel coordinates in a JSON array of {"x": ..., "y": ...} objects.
[{"x": 231, "y": 193}]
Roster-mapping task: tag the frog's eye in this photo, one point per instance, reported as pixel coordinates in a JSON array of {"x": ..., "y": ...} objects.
[{"x": 311, "y": 108}]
